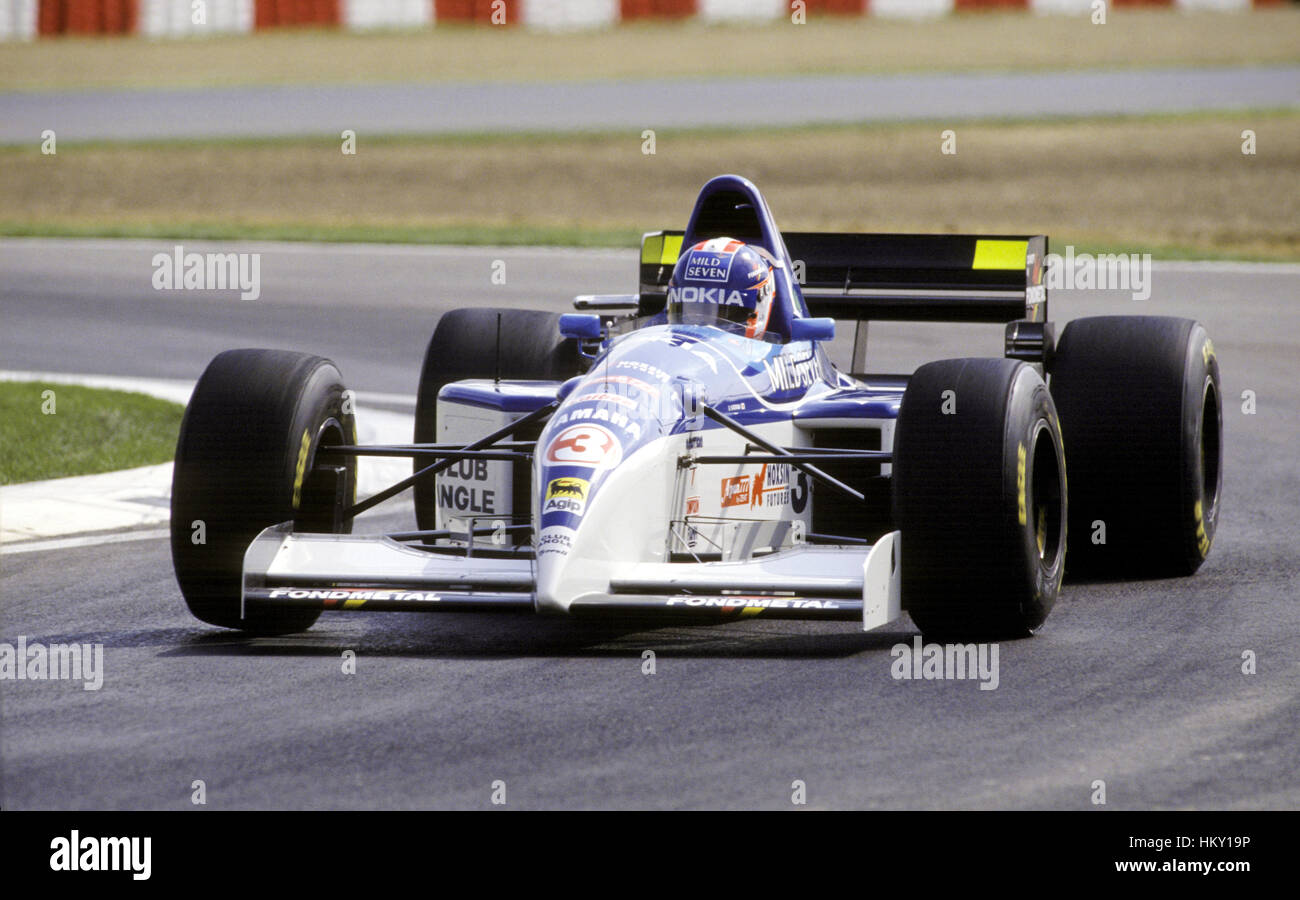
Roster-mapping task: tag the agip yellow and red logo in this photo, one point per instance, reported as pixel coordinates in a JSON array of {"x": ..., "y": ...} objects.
[{"x": 566, "y": 495}]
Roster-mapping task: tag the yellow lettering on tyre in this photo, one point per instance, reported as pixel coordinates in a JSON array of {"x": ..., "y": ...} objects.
[
  {"x": 1020, "y": 485},
  {"x": 300, "y": 471},
  {"x": 1202, "y": 539},
  {"x": 1207, "y": 351}
]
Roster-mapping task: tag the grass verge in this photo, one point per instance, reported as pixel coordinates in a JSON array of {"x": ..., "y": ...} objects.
[
  {"x": 1178, "y": 184},
  {"x": 981, "y": 40},
  {"x": 57, "y": 430}
]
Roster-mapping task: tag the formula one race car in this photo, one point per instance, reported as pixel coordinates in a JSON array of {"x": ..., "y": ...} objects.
[{"x": 689, "y": 452}]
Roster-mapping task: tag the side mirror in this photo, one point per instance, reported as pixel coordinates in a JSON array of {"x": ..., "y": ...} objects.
[
  {"x": 580, "y": 325},
  {"x": 812, "y": 330}
]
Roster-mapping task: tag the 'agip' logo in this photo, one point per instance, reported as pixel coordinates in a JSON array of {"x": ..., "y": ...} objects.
[
  {"x": 570, "y": 488},
  {"x": 566, "y": 495}
]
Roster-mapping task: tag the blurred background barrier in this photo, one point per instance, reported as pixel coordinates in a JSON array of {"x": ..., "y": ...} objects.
[{"x": 26, "y": 19}]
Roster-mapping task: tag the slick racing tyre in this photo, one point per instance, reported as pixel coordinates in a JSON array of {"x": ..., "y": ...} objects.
[
  {"x": 247, "y": 459},
  {"x": 1141, "y": 412},
  {"x": 979, "y": 498},
  {"x": 484, "y": 343}
]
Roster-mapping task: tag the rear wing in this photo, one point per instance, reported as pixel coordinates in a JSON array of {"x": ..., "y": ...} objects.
[{"x": 892, "y": 277}]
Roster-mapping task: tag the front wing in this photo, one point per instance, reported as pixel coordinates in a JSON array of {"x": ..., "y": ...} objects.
[{"x": 377, "y": 573}]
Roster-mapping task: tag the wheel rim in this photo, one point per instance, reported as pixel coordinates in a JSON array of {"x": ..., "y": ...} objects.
[
  {"x": 1211, "y": 436},
  {"x": 1048, "y": 520},
  {"x": 318, "y": 507}
]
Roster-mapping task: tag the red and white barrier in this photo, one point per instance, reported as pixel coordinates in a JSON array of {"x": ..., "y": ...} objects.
[
  {"x": 364, "y": 14},
  {"x": 17, "y": 20},
  {"x": 174, "y": 18},
  {"x": 572, "y": 14},
  {"x": 25, "y": 19}
]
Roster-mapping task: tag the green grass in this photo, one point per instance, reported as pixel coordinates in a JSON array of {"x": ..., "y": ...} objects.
[
  {"x": 1175, "y": 186},
  {"x": 75, "y": 430}
]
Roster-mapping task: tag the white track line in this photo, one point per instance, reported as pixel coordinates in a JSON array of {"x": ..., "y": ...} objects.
[{"x": 89, "y": 540}]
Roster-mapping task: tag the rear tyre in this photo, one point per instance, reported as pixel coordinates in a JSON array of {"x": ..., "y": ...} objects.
[
  {"x": 1141, "y": 411},
  {"x": 979, "y": 498},
  {"x": 246, "y": 460},
  {"x": 519, "y": 344}
]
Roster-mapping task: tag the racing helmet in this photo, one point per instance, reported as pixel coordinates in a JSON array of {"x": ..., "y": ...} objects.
[{"x": 722, "y": 282}]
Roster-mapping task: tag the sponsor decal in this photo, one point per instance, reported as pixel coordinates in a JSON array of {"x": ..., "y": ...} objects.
[
  {"x": 575, "y": 488},
  {"x": 466, "y": 498},
  {"x": 352, "y": 597},
  {"x": 585, "y": 445},
  {"x": 692, "y": 506},
  {"x": 555, "y": 540},
  {"x": 716, "y": 296},
  {"x": 799, "y": 494},
  {"x": 735, "y": 491},
  {"x": 630, "y": 427},
  {"x": 628, "y": 380},
  {"x": 771, "y": 486},
  {"x": 788, "y": 373},
  {"x": 609, "y": 398},
  {"x": 468, "y": 470},
  {"x": 643, "y": 368},
  {"x": 708, "y": 266},
  {"x": 753, "y": 603},
  {"x": 567, "y": 495},
  {"x": 694, "y": 442}
]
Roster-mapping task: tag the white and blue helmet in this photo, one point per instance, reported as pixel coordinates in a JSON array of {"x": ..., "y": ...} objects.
[{"x": 722, "y": 282}]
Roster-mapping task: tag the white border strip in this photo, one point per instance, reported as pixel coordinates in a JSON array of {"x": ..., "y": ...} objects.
[
  {"x": 98, "y": 506},
  {"x": 89, "y": 540}
]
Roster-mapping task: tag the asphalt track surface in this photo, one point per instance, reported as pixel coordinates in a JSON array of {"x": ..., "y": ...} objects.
[
  {"x": 279, "y": 111},
  {"x": 1138, "y": 684}
]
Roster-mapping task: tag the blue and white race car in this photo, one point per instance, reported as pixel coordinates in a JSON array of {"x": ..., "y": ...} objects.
[{"x": 690, "y": 452}]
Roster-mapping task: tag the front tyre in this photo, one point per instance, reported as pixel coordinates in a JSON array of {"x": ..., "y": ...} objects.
[
  {"x": 484, "y": 343},
  {"x": 979, "y": 498},
  {"x": 246, "y": 459}
]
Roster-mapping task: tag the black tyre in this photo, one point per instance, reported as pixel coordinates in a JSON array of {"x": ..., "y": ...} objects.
[
  {"x": 979, "y": 497},
  {"x": 1142, "y": 416},
  {"x": 520, "y": 344},
  {"x": 246, "y": 460}
]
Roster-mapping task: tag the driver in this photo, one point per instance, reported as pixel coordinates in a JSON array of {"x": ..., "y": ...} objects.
[{"x": 722, "y": 282}]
